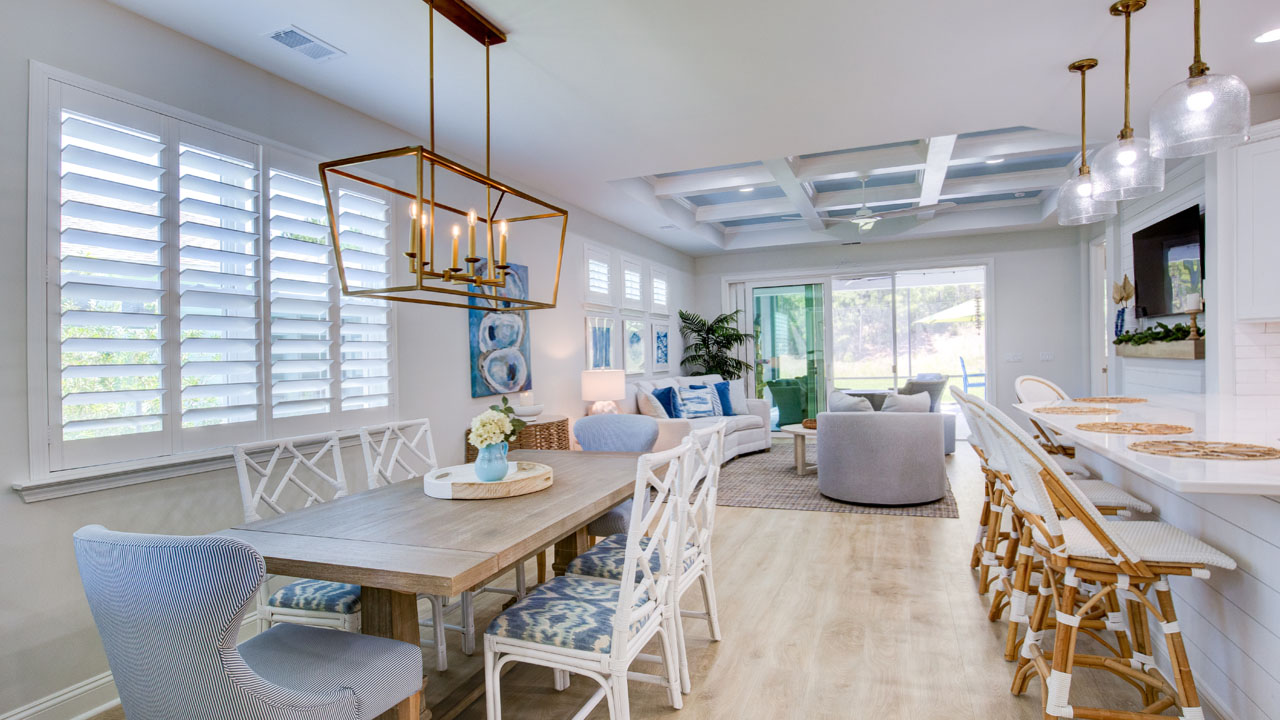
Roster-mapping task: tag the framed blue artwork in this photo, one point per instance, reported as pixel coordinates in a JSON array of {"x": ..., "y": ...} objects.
[
  {"x": 634, "y": 342},
  {"x": 661, "y": 347},
  {"x": 600, "y": 334},
  {"x": 500, "y": 342}
]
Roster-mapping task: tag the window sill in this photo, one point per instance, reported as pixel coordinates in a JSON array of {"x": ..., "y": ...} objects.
[{"x": 66, "y": 483}]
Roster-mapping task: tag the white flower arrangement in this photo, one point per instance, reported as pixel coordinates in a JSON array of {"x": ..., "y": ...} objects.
[{"x": 494, "y": 426}]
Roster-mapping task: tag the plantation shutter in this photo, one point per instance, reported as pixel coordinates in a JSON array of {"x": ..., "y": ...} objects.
[
  {"x": 363, "y": 222},
  {"x": 302, "y": 298},
  {"x": 220, "y": 271},
  {"x": 109, "y": 288}
]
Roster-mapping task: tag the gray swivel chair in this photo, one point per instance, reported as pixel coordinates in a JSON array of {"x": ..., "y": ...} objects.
[
  {"x": 882, "y": 458},
  {"x": 615, "y": 433},
  {"x": 169, "y": 609}
]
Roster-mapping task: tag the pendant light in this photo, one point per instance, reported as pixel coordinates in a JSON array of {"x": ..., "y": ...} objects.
[
  {"x": 1126, "y": 169},
  {"x": 1076, "y": 204},
  {"x": 1202, "y": 114}
]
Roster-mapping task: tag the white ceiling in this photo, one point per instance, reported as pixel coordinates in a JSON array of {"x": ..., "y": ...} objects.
[{"x": 591, "y": 95}]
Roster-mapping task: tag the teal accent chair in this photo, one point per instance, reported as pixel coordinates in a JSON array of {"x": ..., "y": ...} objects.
[{"x": 791, "y": 400}]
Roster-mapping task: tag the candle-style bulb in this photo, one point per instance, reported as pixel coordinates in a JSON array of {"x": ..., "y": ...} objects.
[
  {"x": 471, "y": 218},
  {"x": 456, "y": 231}
]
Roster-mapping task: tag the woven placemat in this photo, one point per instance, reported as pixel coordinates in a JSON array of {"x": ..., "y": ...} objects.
[
  {"x": 1206, "y": 450},
  {"x": 1111, "y": 399},
  {"x": 1134, "y": 428},
  {"x": 1076, "y": 410}
]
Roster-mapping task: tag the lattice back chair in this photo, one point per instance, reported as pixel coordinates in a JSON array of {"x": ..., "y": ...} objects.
[
  {"x": 280, "y": 476},
  {"x": 1122, "y": 560},
  {"x": 596, "y": 627},
  {"x": 397, "y": 451}
]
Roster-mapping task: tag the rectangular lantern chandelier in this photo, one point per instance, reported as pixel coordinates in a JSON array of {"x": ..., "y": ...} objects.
[{"x": 444, "y": 228}]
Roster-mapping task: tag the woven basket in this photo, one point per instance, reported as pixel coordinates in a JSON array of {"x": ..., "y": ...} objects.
[
  {"x": 809, "y": 424},
  {"x": 552, "y": 435}
]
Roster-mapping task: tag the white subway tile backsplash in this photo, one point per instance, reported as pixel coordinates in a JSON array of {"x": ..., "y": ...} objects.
[{"x": 1257, "y": 352}]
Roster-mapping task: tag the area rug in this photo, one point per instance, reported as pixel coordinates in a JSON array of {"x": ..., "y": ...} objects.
[{"x": 769, "y": 480}]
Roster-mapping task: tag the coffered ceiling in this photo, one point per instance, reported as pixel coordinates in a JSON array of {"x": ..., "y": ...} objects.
[{"x": 657, "y": 114}]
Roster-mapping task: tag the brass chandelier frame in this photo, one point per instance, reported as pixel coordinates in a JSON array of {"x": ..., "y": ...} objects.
[{"x": 460, "y": 281}]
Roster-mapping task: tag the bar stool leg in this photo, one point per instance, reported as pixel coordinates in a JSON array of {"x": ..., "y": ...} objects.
[
  {"x": 1188, "y": 698},
  {"x": 1057, "y": 701}
]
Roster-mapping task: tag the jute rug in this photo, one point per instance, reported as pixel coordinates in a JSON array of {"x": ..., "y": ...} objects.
[{"x": 769, "y": 480}]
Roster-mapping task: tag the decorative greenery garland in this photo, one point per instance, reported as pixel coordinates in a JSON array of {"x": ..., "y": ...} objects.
[{"x": 1159, "y": 333}]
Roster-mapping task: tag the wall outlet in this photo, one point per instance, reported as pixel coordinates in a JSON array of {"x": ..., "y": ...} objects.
[
  {"x": 1013, "y": 357},
  {"x": 1046, "y": 357}
]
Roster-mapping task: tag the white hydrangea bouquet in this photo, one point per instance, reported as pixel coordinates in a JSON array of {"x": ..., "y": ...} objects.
[{"x": 491, "y": 431}]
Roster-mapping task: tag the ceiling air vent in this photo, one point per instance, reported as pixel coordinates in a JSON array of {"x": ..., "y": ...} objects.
[
  {"x": 299, "y": 40},
  {"x": 668, "y": 228}
]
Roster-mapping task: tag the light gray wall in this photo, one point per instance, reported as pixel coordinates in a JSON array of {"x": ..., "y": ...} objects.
[
  {"x": 1036, "y": 300},
  {"x": 47, "y": 638}
]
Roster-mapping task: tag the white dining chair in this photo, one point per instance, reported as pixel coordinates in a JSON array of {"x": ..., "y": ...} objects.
[
  {"x": 279, "y": 476},
  {"x": 595, "y": 627}
]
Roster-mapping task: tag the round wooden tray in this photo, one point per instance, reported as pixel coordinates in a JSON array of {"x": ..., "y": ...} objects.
[
  {"x": 1110, "y": 399},
  {"x": 1076, "y": 410},
  {"x": 1134, "y": 428},
  {"x": 459, "y": 482},
  {"x": 1206, "y": 450}
]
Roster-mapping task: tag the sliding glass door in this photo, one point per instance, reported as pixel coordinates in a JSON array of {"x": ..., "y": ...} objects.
[{"x": 790, "y": 350}]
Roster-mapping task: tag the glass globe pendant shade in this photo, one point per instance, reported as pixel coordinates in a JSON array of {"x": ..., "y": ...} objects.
[
  {"x": 1125, "y": 170},
  {"x": 1200, "y": 115},
  {"x": 1077, "y": 206}
]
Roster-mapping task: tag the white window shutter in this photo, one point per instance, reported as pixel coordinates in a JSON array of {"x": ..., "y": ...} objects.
[
  {"x": 363, "y": 223},
  {"x": 598, "y": 276},
  {"x": 658, "y": 291},
  {"x": 632, "y": 284}
]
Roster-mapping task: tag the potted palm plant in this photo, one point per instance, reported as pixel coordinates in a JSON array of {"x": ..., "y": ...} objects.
[{"x": 709, "y": 344}]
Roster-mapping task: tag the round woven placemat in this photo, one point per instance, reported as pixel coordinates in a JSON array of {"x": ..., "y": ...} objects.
[
  {"x": 1206, "y": 450},
  {"x": 1111, "y": 399},
  {"x": 1076, "y": 410},
  {"x": 1134, "y": 428}
]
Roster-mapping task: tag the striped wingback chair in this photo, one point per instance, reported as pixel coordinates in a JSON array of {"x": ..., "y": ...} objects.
[
  {"x": 615, "y": 433},
  {"x": 169, "y": 609}
]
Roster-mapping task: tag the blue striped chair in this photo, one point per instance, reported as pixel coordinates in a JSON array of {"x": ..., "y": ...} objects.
[
  {"x": 615, "y": 433},
  {"x": 169, "y": 609}
]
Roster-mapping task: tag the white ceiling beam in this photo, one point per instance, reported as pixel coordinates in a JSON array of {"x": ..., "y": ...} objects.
[
  {"x": 993, "y": 205},
  {"x": 784, "y": 173},
  {"x": 1009, "y": 145},
  {"x": 937, "y": 159},
  {"x": 709, "y": 182},
  {"x": 1026, "y": 180},
  {"x": 886, "y": 195},
  {"x": 744, "y": 210},
  {"x": 902, "y": 158}
]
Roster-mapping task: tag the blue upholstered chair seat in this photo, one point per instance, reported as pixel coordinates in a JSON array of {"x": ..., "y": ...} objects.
[
  {"x": 318, "y": 595},
  {"x": 573, "y": 613},
  {"x": 616, "y": 520},
  {"x": 318, "y": 662},
  {"x": 606, "y": 558}
]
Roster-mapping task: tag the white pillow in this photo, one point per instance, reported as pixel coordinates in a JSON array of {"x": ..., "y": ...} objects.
[
  {"x": 839, "y": 402},
  {"x": 649, "y": 405},
  {"x": 918, "y": 402},
  {"x": 738, "y": 397}
]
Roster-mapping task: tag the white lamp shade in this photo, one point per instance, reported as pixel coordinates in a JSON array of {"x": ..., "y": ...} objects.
[
  {"x": 600, "y": 385},
  {"x": 1200, "y": 115},
  {"x": 1126, "y": 169},
  {"x": 1077, "y": 206}
]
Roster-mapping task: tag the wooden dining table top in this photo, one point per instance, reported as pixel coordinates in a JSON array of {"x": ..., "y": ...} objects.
[{"x": 396, "y": 537}]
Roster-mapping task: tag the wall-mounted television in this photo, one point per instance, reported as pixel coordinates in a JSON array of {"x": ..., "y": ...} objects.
[{"x": 1168, "y": 264}]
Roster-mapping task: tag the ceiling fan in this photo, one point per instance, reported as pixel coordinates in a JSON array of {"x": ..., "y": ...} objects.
[{"x": 865, "y": 218}]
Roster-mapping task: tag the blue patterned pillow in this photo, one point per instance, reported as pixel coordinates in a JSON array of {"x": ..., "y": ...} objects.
[
  {"x": 716, "y": 401},
  {"x": 698, "y": 402},
  {"x": 669, "y": 400}
]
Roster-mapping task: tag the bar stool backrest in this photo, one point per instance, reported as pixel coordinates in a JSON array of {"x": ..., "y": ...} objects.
[
  {"x": 397, "y": 451},
  {"x": 1030, "y": 388}
]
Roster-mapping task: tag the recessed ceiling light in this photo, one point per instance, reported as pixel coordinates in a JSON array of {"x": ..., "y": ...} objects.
[
  {"x": 995, "y": 161},
  {"x": 1019, "y": 194},
  {"x": 1268, "y": 36},
  {"x": 746, "y": 189}
]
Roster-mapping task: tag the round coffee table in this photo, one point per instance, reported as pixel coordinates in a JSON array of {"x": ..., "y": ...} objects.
[{"x": 801, "y": 434}]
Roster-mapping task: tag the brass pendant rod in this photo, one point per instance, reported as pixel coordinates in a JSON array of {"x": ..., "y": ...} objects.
[
  {"x": 431, "y": 121},
  {"x": 1082, "y": 67},
  {"x": 1198, "y": 67},
  {"x": 1126, "y": 132}
]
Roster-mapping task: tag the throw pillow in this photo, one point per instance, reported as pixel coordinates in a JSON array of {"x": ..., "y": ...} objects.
[
  {"x": 738, "y": 397},
  {"x": 726, "y": 399},
  {"x": 669, "y": 400},
  {"x": 697, "y": 402},
  {"x": 715, "y": 399},
  {"x": 649, "y": 405},
  {"x": 918, "y": 402},
  {"x": 839, "y": 402}
]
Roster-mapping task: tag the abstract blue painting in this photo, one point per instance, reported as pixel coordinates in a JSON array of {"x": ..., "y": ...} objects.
[
  {"x": 500, "y": 342},
  {"x": 600, "y": 343},
  {"x": 661, "y": 347},
  {"x": 633, "y": 342}
]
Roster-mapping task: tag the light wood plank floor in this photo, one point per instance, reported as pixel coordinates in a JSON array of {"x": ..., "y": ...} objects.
[{"x": 825, "y": 615}]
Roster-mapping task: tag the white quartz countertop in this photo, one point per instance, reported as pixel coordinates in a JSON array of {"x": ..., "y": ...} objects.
[{"x": 1221, "y": 418}]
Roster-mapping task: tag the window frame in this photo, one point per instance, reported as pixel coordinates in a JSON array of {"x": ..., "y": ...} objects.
[{"x": 43, "y": 346}]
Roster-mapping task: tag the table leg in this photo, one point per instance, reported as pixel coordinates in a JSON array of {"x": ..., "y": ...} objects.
[
  {"x": 568, "y": 549},
  {"x": 800, "y": 452},
  {"x": 391, "y": 614}
]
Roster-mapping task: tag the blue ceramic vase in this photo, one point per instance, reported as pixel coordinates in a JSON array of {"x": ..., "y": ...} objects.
[{"x": 491, "y": 462}]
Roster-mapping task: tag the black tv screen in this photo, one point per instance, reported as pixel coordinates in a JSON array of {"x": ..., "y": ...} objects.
[{"x": 1168, "y": 264}]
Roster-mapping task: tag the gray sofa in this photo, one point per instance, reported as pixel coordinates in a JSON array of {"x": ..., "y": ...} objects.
[
  {"x": 874, "y": 458},
  {"x": 877, "y": 402}
]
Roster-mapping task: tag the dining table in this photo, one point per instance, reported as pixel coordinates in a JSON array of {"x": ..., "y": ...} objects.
[{"x": 396, "y": 543}]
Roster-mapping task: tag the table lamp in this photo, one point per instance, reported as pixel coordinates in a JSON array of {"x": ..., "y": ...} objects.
[{"x": 603, "y": 388}]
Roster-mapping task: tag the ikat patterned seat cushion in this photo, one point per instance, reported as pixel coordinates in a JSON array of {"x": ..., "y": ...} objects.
[
  {"x": 606, "y": 558},
  {"x": 318, "y": 595},
  {"x": 571, "y": 613}
]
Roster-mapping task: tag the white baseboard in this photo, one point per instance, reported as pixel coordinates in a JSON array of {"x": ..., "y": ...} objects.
[{"x": 89, "y": 698}]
